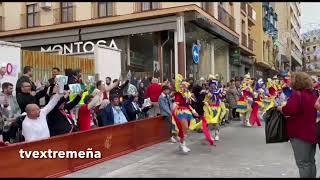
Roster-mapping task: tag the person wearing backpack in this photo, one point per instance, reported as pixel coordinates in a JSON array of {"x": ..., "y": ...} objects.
[{"x": 301, "y": 123}]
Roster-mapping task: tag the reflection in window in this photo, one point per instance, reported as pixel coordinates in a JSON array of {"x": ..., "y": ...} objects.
[
  {"x": 66, "y": 12},
  {"x": 32, "y": 15},
  {"x": 144, "y": 53},
  {"x": 145, "y": 6},
  {"x": 105, "y": 9}
]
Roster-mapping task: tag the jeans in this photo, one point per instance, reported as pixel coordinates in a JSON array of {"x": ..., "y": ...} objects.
[
  {"x": 304, "y": 153},
  {"x": 168, "y": 120},
  {"x": 235, "y": 114}
]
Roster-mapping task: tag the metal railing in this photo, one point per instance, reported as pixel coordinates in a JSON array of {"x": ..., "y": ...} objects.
[
  {"x": 226, "y": 18},
  {"x": 208, "y": 7},
  {"x": 244, "y": 39},
  {"x": 250, "y": 45},
  {"x": 2, "y": 24},
  {"x": 295, "y": 35},
  {"x": 251, "y": 12},
  {"x": 25, "y": 22}
]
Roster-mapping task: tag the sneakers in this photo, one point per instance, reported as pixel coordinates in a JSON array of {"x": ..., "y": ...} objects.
[
  {"x": 248, "y": 124},
  {"x": 173, "y": 139},
  {"x": 184, "y": 148}
]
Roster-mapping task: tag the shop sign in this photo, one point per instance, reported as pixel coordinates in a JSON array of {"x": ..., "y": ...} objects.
[
  {"x": 196, "y": 53},
  {"x": 236, "y": 56},
  {"x": 78, "y": 47}
]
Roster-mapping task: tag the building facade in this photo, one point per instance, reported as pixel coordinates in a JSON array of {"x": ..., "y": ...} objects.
[
  {"x": 265, "y": 34},
  {"x": 150, "y": 34},
  {"x": 311, "y": 51},
  {"x": 289, "y": 25}
]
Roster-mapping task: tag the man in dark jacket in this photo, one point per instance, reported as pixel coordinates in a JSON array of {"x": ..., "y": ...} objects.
[
  {"x": 113, "y": 113},
  {"x": 27, "y": 96},
  {"x": 59, "y": 121},
  {"x": 134, "y": 109},
  {"x": 52, "y": 82},
  {"x": 26, "y": 77},
  {"x": 118, "y": 91}
]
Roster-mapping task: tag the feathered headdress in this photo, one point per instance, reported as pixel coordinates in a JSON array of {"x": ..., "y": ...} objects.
[
  {"x": 179, "y": 79},
  {"x": 269, "y": 83},
  {"x": 214, "y": 82},
  {"x": 247, "y": 76},
  {"x": 259, "y": 84}
]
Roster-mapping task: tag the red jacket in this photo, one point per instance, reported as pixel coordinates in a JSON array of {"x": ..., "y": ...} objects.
[
  {"x": 153, "y": 92},
  {"x": 84, "y": 118},
  {"x": 301, "y": 123}
]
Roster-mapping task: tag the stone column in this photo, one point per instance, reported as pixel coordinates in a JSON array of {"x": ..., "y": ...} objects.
[{"x": 181, "y": 45}]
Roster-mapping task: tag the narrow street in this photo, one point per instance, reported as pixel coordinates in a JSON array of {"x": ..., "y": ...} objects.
[{"x": 242, "y": 152}]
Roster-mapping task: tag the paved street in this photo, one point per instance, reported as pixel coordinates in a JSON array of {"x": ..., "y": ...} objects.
[{"x": 242, "y": 152}]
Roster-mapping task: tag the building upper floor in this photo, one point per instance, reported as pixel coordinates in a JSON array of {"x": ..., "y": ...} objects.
[{"x": 34, "y": 14}]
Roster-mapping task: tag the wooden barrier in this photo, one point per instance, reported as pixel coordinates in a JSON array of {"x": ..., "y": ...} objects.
[{"x": 111, "y": 141}]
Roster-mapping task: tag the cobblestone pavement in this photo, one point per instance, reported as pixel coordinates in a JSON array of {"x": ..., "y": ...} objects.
[{"x": 242, "y": 152}]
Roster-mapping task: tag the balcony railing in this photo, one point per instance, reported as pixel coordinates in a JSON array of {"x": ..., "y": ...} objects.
[
  {"x": 250, "y": 46},
  {"x": 296, "y": 37},
  {"x": 243, "y": 7},
  {"x": 31, "y": 21},
  {"x": 208, "y": 7},
  {"x": 226, "y": 18},
  {"x": 244, "y": 39},
  {"x": 1, "y": 23},
  {"x": 58, "y": 18},
  {"x": 251, "y": 13}
]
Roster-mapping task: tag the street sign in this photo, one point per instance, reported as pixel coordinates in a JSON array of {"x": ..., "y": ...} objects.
[
  {"x": 236, "y": 56},
  {"x": 196, "y": 53}
]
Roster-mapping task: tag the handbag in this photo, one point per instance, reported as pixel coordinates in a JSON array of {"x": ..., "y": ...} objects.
[{"x": 276, "y": 126}]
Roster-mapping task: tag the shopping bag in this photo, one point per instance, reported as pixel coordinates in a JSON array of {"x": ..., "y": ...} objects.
[{"x": 276, "y": 126}]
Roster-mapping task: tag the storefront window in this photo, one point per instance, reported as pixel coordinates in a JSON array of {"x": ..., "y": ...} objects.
[
  {"x": 144, "y": 60},
  {"x": 195, "y": 34}
]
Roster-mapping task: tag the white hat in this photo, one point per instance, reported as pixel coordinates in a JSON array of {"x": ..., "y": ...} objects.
[{"x": 247, "y": 76}]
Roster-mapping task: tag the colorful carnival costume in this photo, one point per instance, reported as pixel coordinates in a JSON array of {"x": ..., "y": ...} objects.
[
  {"x": 257, "y": 105},
  {"x": 270, "y": 100},
  {"x": 183, "y": 111},
  {"x": 245, "y": 101},
  {"x": 212, "y": 112}
]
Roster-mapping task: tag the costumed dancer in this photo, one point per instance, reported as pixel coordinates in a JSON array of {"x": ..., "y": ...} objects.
[
  {"x": 245, "y": 101},
  {"x": 198, "y": 104},
  {"x": 270, "y": 100},
  {"x": 257, "y": 105},
  {"x": 286, "y": 91},
  {"x": 212, "y": 108},
  {"x": 316, "y": 90},
  {"x": 224, "y": 110},
  {"x": 183, "y": 112},
  {"x": 218, "y": 107}
]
